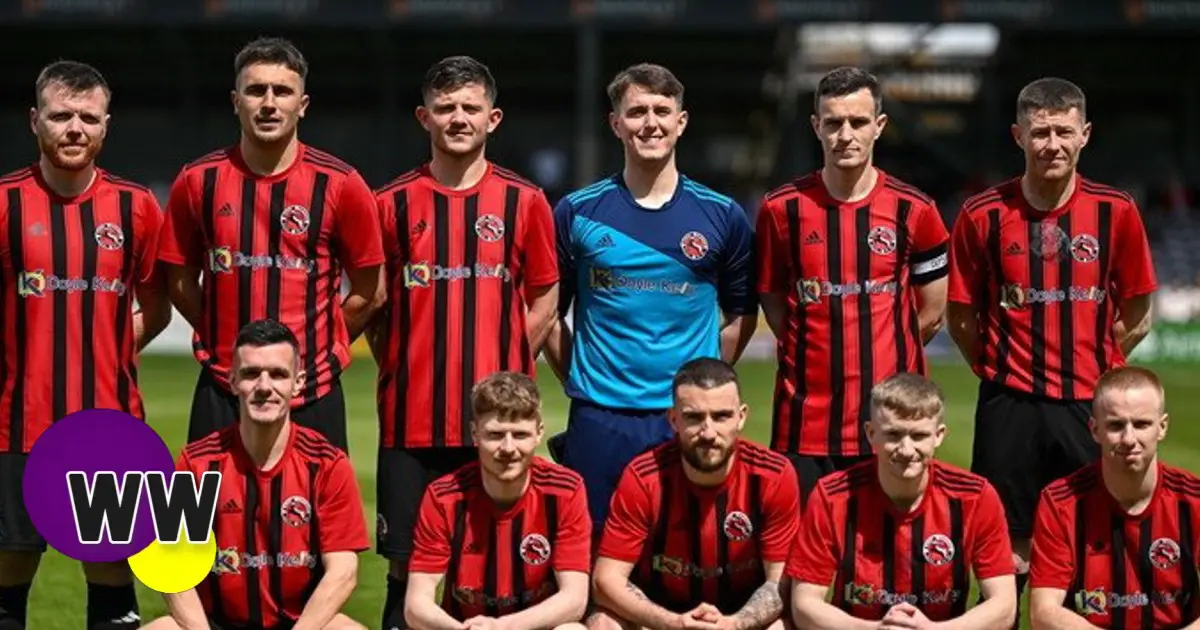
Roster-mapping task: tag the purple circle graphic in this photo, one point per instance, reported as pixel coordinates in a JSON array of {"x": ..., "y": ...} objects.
[{"x": 91, "y": 441}]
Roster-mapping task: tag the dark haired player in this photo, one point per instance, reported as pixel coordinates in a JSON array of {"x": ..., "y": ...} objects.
[
  {"x": 1050, "y": 286},
  {"x": 472, "y": 288},
  {"x": 1115, "y": 543},
  {"x": 700, "y": 528},
  {"x": 290, "y": 522},
  {"x": 852, "y": 276},
  {"x": 896, "y": 537},
  {"x": 271, "y": 223},
  {"x": 77, "y": 246},
  {"x": 507, "y": 536}
]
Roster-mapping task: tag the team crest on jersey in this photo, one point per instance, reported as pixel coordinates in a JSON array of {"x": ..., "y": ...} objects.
[
  {"x": 694, "y": 245},
  {"x": 938, "y": 550},
  {"x": 882, "y": 240},
  {"x": 109, "y": 236},
  {"x": 294, "y": 220},
  {"x": 489, "y": 227},
  {"x": 296, "y": 511},
  {"x": 535, "y": 549},
  {"x": 1050, "y": 243},
  {"x": 738, "y": 527},
  {"x": 1085, "y": 248},
  {"x": 1164, "y": 553}
]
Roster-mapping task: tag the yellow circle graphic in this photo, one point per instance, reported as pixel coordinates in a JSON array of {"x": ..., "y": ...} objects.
[{"x": 174, "y": 568}]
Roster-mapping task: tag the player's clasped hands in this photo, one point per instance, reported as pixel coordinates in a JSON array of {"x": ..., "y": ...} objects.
[
  {"x": 907, "y": 616},
  {"x": 485, "y": 623},
  {"x": 702, "y": 617}
]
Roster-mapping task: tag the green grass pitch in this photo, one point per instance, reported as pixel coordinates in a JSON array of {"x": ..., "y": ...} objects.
[{"x": 57, "y": 601}]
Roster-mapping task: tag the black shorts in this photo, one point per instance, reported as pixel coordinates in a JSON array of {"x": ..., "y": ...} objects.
[
  {"x": 403, "y": 475},
  {"x": 811, "y": 468},
  {"x": 214, "y": 408},
  {"x": 1024, "y": 442},
  {"x": 16, "y": 529}
]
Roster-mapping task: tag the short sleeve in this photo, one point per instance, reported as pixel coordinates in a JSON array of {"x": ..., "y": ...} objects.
[
  {"x": 181, "y": 241},
  {"x": 813, "y": 559},
  {"x": 1052, "y": 563},
  {"x": 966, "y": 270},
  {"x": 781, "y": 511},
  {"x": 929, "y": 257},
  {"x": 772, "y": 251},
  {"x": 735, "y": 280},
  {"x": 630, "y": 514},
  {"x": 991, "y": 555},
  {"x": 431, "y": 538},
  {"x": 147, "y": 237},
  {"x": 1134, "y": 275},
  {"x": 340, "y": 509},
  {"x": 564, "y": 215},
  {"x": 357, "y": 224},
  {"x": 541, "y": 258},
  {"x": 574, "y": 548}
]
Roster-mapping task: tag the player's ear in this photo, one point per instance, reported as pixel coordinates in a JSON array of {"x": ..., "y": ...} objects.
[
  {"x": 745, "y": 413},
  {"x": 1017, "y": 135},
  {"x": 422, "y": 114},
  {"x": 939, "y": 434},
  {"x": 305, "y": 99},
  {"x": 683, "y": 121},
  {"x": 233, "y": 100},
  {"x": 613, "y": 119},
  {"x": 33, "y": 120},
  {"x": 881, "y": 122},
  {"x": 1086, "y": 134},
  {"x": 1094, "y": 426},
  {"x": 816, "y": 124},
  {"x": 1162, "y": 427},
  {"x": 494, "y": 119}
]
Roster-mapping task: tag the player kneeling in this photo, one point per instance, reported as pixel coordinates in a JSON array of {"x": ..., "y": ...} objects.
[
  {"x": 1115, "y": 544},
  {"x": 290, "y": 521},
  {"x": 699, "y": 528},
  {"x": 510, "y": 533},
  {"x": 897, "y": 536}
]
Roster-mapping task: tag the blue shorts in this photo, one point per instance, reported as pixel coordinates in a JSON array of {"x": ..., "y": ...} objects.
[{"x": 600, "y": 442}]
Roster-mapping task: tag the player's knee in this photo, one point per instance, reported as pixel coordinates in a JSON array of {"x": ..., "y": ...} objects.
[
  {"x": 574, "y": 625},
  {"x": 779, "y": 624},
  {"x": 162, "y": 623},
  {"x": 108, "y": 573},
  {"x": 18, "y": 567},
  {"x": 601, "y": 619},
  {"x": 342, "y": 622}
]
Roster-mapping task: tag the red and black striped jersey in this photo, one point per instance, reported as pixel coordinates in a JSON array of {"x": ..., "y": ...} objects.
[
  {"x": 273, "y": 526},
  {"x": 848, "y": 271},
  {"x": 460, "y": 267},
  {"x": 1120, "y": 570},
  {"x": 1045, "y": 286},
  {"x": 273, "y": 247},
  {"x": 499, "y": 560},
  {"x": 694, "y": 544},
  {"x": 875, "y": 555},
  {"x": 70, "y": 269}
]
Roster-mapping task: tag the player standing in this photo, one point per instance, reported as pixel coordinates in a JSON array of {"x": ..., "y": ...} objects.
[
  {"x": 77, "y": 245},
  {"x": 472, "y": 288},
  {"x": 270, "y": 223},
  {"x": 1114, "y": 544},
  {"x": 852, "y": 275},
  {"x": 290, "y": 521},
  {"x": 508, "y": 535},
  {"x": 700, "y": 528},
  {"x": 1050, "y": 286},
  {"x": 659, "y": 270},
  {"x": 897, "y": 536}
]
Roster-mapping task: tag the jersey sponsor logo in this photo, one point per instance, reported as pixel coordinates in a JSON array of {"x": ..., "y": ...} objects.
[
  {"x": 1015, "y": 296},
  {"x": 489, "y": 227},
  {"x": 680, "y": 567},
  {"x": 228, "y": 562},
  {"x": 1085, "y": 248},
  {"x": 1164, "y": 553},
  {"x": 812, "y": 290},
  {"x": 881, "y": 240},
  {"x": 226, "y": 260},
  {"x": 694, "y": 245},
  {"x": 938, "y": 550},
  {"x": 857, "y": 594},
  {"x": 738, "y": 527},
  {"x": 296, "y": 511},
  {"x": 294, "y": 220},
  {"x": 608, "y": 280},
  {"x": 231, "y": 561},
  {"x": 1099, "y": 601},
  {"x": 1051, "y": 243},
  {"x": 535, "y": 549},
  {"x": 37, "y": 283},
  {"x": 109, "y": 236},
  {"x": 477, "y": 597},
  {"x": 422, "y": 275}
]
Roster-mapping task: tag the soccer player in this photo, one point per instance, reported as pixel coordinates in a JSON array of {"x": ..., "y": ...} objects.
[
  {"x": 699, "y": 528},
  {"x": 271, "y": 223},
  {"x": 1114, "y": 544},
  {"x": 290, "y": 521},
  {"x": 472, "y": 287},
  {"x": 1050, "y": 286},
  {"x": 852, "y": 276},
  {"x": 896, "y": 537},
  {"x": 658, "y": 268},
  {"x": 78, "y": 247},
  {"x": 507, "y": 536}
]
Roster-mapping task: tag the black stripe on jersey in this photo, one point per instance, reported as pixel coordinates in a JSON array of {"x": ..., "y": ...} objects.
[
  {"x": 278, "y": 189},
  {"x": 58, "y": 239},
  {"x": 275, "y": 541},
  {"x": 449, "y": 602},
  {"x": 126, "y": 372},
  {"x": 725, "y": 580},
  {"x": 1145, "y": 568},
  {"x": 214, "y": 581},
  {"x": 866, "y": 345},
  {"x": 254, "y": 615},
  {"x": 888, "y": 536},
  {"x": 515, "y": 563},
  {"x": 1117, "y": 569},
  {"x": 1037, "y": 310},
  {"x": 403, "y": 323},
  {"x": 316, "y": 218},
  {"x": 1081, "y": 548},
  {"x": 993, "y": 245},
  {"x": 14, "y": 431},
  {"x": 959, "y": 563},
  {"x": 917, "y": 556},
  {"x": 512, "y": 196},
  {"x": 696, "y": 583},
  {"x": 903, "y": 207},
  {"x": 1066, "y": 314},
  {"x": 754, "y": 487},
  {"x": 441, "y": 308},
  {"x": 208, "y": 210},
  {"x": 1187, "y": 555},
  {"x": 792, "y": 208},
  {"x": 246, "y": 245},
  {"x": 87, "y": 300},
  {"x": 314, "y": 531},
  {"x": 658, "y": 547},
  {"x": 469, "y": 311},
  {"x": 1103, "y": 322},
  {"x": 849, "y": 553},
  {"x": 837, "y": 332},
  {"x": 491, "y": 570}
]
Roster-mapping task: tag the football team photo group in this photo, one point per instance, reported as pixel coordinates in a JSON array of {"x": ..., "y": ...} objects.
[{"x": 653, "y": 508}]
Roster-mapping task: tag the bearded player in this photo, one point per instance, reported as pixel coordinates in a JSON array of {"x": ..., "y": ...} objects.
[
  {"x": 78, "y": 247},
  {"x": 508, "y": 536},
  {"x": 699, "y": 529},
  {"x": 895, "y": 538},
  {"x": 1115, "y": 544}
]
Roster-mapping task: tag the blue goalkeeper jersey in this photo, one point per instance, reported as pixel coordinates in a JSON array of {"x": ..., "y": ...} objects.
[{"x": 648, "y": 286}]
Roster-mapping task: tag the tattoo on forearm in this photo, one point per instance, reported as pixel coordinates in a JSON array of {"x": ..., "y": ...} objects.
[
  {"x": 762, "y": 609},
  {"x": 635, "y": 590}
]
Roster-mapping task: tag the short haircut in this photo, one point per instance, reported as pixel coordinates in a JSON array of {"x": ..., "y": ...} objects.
[
  {"x": 654, "y": 78},
  {"x": 909, "y": 396},
  {"x": 266, "y": 332},
  {"x": 705, "y": 373},
  {"x": 845, "y": 81},
  {"x": 274, "y": 51},
  {"x": 1051, "y": 94},
  {"x": 509, "y": 395},
  {"x": 75, "y": 76},
  {"x": 1125, "y": 378},
  {"x": 452, "y": 73}
]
